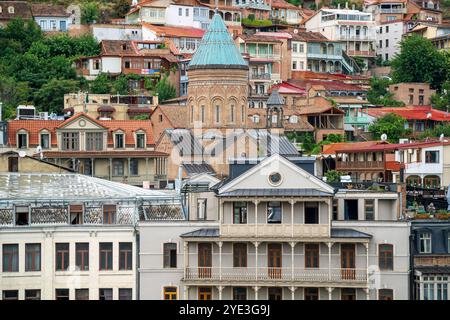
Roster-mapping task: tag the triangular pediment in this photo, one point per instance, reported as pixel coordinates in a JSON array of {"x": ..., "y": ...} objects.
[
  {"x": 290, "y": 177},
  {"x": 81, "y": 122}
]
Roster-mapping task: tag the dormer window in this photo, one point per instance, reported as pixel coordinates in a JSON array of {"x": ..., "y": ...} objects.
[
  {"x": 119, "y": 140},
  {"x": 22, "y": 139},
  {"x": 44, "y": 139},
  {"x": 140, "y": 140},
  {"x": 11, "y": 10}
]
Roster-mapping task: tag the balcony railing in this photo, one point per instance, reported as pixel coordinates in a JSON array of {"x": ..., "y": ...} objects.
[
  {"x": 260, "y": 76},
  {"x": 366, "y": 53},
  {"x": 360, "y": 165},
  {"x": 391, "y": 10},
  {"x": 353, "y": 37},
  {"x": 275, "y": 230},
  {"x": 262, "y": 274}
]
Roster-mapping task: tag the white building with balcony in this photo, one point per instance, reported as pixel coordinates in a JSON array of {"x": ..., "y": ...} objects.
[
  {"x": 355, "y": 29},
  {"x": 275, "y": 231},
  {"x": 71, "y": 237}
]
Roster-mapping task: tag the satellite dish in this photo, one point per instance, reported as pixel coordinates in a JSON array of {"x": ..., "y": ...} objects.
[
  {"x": 429, "y": 115},
  {"x": 38, "y": 149},
  {"x": 441, "y": 137},
  {"x": 22, "y": 153},
  {"x": 384, "y": 137}
]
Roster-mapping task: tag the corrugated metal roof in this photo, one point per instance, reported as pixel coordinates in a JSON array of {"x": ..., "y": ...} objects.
[
  {"x": 201, "y": 233},
  {"x": 348, "y": 233},
  {"x": 58, "y": 187},
  {"x": 185, "y": 142},
  {"x": 274, "y": 143},
  {"x": 217, "y": 49},
  {"x": 276, "y": 192},
  {"x": 196, "y": 168}
]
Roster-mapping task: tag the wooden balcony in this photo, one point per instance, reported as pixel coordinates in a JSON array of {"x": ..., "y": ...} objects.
[
  {"x": 270, "y": 274},
  {"x": 275, "y": 230},
  {"x": 431, "y": 261},
  {"x": 360, "y": 165}
]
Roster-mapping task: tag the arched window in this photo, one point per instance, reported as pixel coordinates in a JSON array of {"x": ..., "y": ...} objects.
[
  {"x": 431, "y": 181},
  {"x": 413, "y": 181},
  {"x": 202, "y": 114},
  {"x": 217, "y": 113}
]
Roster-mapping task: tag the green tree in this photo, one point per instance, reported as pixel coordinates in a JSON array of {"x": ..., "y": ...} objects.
[
  {"x": 101, "y": 84},
  {"x": 89, "y": 13},
  {"x": 420, "y": 61},
  {"x": 19, "y": 35},
  {"x": 120, "y": 86},
  {"x": 390, "y": 124},
  {"x": 121, "y": 8},
  {"x": 333, "y": 176},
  {"x": 378, "y": 93},
  {"x": 165, "y": 89},
  {"x": 441, "y": 100},
  {"x": 12, "y": 94},
  {"x": 50, "y": 97}
]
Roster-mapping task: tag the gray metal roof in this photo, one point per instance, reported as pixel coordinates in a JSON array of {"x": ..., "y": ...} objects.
[
  {"x": 275, "y": 99},
  {"x": 276, "y": 192},
  {"x": 57, "y": 187},
  {"x": 274, "y": 143},
  {"x": 185, "y": 142},
  {"x": 348, "y": 233},
  {"x": 433, "y": 269},
  {"x": 196, "y": 168},
  {"x": 201, "y": 233}
]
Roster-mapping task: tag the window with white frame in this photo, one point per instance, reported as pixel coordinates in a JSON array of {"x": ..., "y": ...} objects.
[
  {"x": 201, "y": 209},
  {"x": 119, "y": 140},
  {"x": 44, "y": 140},
  {"x": 22, "y": 140},
  {"x": 425, "y": 242}
]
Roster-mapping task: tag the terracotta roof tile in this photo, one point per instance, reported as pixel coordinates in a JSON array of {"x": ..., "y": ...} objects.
[
  {"x": 330, "y": 149},
  {"x": 177, "y": 115},
  {"x": 412, "y": 113},
  {"x": 175, "y": 32},
  {"x": 48, "y": 10},
  {"x": 34, "y": 127},
  {"x": 21, "y": 10}
]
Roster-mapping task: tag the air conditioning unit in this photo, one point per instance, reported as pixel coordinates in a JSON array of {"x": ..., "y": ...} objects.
[{"x": 43, "y": 115}]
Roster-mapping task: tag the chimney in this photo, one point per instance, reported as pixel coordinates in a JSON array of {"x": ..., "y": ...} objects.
[
  {"x": 353, "y": 6},
  {"x": 339, "y": 5},
  {"x": 346, "y": 5}
]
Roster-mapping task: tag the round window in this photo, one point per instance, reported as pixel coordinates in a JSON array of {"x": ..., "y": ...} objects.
[{"x": 275, "y": 178}]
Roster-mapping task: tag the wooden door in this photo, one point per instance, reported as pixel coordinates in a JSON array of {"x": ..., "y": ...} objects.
[
  {"x": 204, "y": 293},
  {"x": 13, "y": 164},
  {"x": 204, "y": 260},
  {"x": 348, "y": 261},
  {"x": 274, "y": 260}
]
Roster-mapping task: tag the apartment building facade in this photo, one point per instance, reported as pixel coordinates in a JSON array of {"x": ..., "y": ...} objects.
[
  {"x": 276, "y": 238},
  {"x": 116, "y": 150},
  {"x": 69, "y": 236},
  {"x": 353, "y": 28}
]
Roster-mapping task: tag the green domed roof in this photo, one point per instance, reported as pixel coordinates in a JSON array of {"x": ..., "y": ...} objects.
[{"x": 217, "y": 49}]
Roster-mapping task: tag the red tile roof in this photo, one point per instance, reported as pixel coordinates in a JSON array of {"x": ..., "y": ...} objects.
[
  {"x": 412, "y": 113},
  {"x": 175, "y": 32},
  {"x": 283, "y": 4},
  {"x": 356, "y": 147},
  {"x": 329, "y": 149},
  {"x": 287, "y": 88},
  {"x": 327, "y": 85},
  {"x": 34, "y": 127}
]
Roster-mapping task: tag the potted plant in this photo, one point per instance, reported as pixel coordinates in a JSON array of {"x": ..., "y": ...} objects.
[
  {"x": 442, "y": 214},
  {"x": 422, "y": 215}
]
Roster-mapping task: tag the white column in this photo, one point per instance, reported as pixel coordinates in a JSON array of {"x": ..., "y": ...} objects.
[
  {"x": 366, "y": 245},
  {"x": 367, "y": 293},
  {"x": 256, "y": 292},
  {"x": 220, "y": 261},
  {"x": 256, "y": 217},
  {"x": 330, "y": 291},
  {"x": 421, "y": 287},
  {"x": 220, "y": 216},
  {"x": 292, "y": 216},
  {"x": 186, "y": 292},
  {"x": 186, "y": 257},
  {"x": 292, "y": 292},
  {"x": 292, "y": 259},
  {"x": 330, "y": 245},
  {"x": 256, "y": 243},
  {"x": 220, "y": 288}
]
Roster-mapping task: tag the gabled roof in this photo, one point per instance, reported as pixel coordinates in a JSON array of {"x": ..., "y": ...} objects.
[
  {"x": 33, "y": 127},
  {"x": 175, "y": 114},
  {"x": 217, "y": 49},
  {"x": 21, "y": 10},
  {"x": 48, "y": 10},
  {"x": 275, "y": 161}
]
